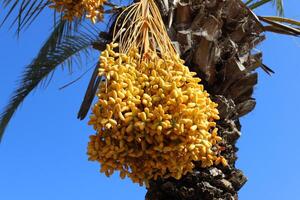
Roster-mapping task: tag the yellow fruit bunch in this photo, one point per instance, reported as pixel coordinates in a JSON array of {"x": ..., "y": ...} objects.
[
  {"x": 153, "y": 118},
  {"x": 92, "y": 9}
]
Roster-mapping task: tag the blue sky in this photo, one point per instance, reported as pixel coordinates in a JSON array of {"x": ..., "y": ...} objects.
[{"x": 43, "y": 153}]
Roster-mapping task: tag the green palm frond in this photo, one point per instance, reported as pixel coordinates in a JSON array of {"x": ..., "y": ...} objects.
[
  {"x": 60, "y": 48},
  {"x": 27, "y": 11},
  {"x": 252, "y": 4},
  {"x": 255, "y": 4}
]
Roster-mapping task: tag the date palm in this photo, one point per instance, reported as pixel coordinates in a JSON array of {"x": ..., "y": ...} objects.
[{"x": 216, "y": 36}]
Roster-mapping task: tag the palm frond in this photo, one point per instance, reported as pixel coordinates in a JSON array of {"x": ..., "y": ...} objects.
[
  {"x": 248, "y": 2},
  {"x": 281, "y": 25},
  {"x": 24, "y": 12},
  {"x": 57, "y": 50},
  {"x": 276, "y": 24},
  {"x": 284, "y": 20},
  {"x": 255, "y": 4},
  {"x": 89, "y": 94},
  {"x": 27, "y": 11},
  {"x": 279, "y": 7}
]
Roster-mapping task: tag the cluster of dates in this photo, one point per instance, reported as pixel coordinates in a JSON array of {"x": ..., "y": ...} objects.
[
  {"x": 153, "y": 118},
  {"x": 92, "y": 9}
]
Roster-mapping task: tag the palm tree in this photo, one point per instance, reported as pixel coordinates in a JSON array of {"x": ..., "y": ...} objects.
[{"x": 216, "y": 36}]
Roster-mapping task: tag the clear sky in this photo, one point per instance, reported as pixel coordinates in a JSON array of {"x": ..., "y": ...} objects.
[{"x": 43, "y": 152}]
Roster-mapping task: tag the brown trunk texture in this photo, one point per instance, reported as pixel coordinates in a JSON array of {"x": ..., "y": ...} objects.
[{"x": 216, "y": 39}]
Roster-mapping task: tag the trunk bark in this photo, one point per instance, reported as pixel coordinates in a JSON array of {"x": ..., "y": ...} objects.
[{"x": 216, "y": 39}]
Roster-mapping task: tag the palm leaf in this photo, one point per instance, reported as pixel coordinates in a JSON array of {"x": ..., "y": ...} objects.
[
  {"x": 27, "y": 11},
  {"x": 58, "y": 49},
  {"x": 284, "y": 20},
  {"x": 278, "y": 30},
  {"x": 279, "y": 7},
  {"x": 255, "y": 4},
  {"x": 277, "y": 24},
  {"x": 89, "y": 94}
]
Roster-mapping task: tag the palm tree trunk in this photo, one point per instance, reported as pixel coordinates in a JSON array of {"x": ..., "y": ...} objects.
[{"x": 216, "y": 38}]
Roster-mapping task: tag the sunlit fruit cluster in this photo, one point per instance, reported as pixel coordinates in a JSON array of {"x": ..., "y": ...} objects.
[
  {"x": 153, "y": 118},
  {"x": 92, "y": 9}
]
